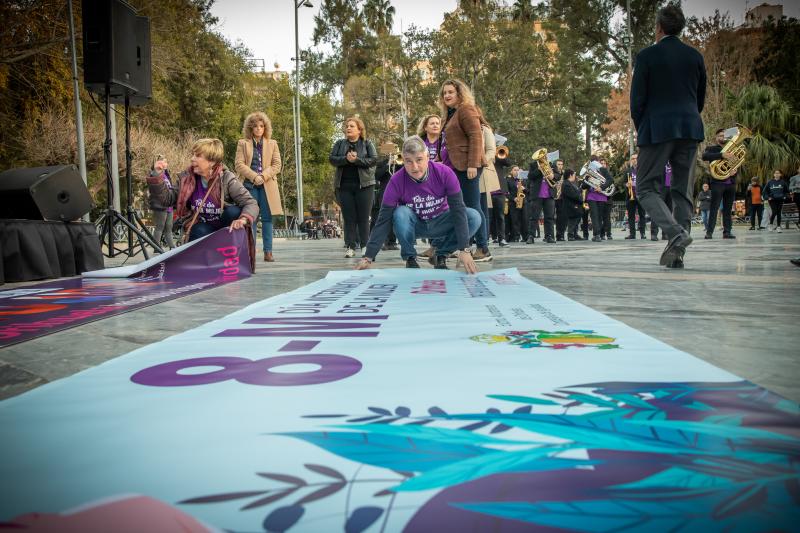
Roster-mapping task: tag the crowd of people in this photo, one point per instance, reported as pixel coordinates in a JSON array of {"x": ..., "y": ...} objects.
[{"x": 451, "y": 185}]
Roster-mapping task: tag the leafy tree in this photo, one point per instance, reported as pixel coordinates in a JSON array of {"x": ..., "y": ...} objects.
[
  {"x": 775, "y": 126},
  {"x": 777, "y": 61}
]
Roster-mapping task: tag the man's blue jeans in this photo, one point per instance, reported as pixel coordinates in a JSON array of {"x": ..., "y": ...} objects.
[
  {"x": 704, "y": 215},
  {"x": 441, "y": 231}
]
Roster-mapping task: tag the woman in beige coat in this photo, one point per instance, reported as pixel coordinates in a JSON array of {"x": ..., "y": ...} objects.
[{"x": 258, "y": 163}]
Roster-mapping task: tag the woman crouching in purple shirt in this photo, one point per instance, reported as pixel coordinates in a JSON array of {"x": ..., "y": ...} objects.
[{"x": 208, "y": 196}]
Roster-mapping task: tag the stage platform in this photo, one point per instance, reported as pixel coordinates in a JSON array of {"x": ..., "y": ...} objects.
[{"x": 735, "y": 305}]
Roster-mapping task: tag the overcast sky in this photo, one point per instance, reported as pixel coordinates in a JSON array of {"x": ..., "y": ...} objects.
[{"x": 266, "y": 27}]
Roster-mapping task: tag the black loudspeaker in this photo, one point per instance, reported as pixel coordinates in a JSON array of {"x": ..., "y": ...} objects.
[
  {"x": 141, "y": 75},
  {"x": 109, "y": 46},
  {"x": 49, "y": 193}
]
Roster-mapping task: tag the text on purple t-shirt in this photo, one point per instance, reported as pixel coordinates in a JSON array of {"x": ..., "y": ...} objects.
[
  {"x": 210, "y": 212},
  {"x": 427, "y": 199}
]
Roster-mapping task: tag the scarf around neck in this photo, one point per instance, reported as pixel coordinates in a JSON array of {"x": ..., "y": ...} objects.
[{"x": 189, "y": 182}]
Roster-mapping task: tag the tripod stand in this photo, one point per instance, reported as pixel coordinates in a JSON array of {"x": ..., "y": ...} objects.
[{"x": 109, "y": 220}]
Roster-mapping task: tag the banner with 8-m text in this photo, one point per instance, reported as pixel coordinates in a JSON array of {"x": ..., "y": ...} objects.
[{"x": 403, "y": 400}]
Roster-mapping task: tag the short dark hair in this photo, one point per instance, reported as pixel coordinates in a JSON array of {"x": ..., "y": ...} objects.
[
  {"x": 671, "y": 19},
  {"x": 593, "y": 158},
  {"x": 721, "y": 130}
]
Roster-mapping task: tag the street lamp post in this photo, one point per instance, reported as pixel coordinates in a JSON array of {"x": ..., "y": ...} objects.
[
  {"x": 298, "y": 140},
  {"x": 630, "y": 77}
]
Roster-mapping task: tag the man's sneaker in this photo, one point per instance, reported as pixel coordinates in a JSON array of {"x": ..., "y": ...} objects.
[
  {"x": 482, "y": 256},
  {"x": 350, "y": 253},
  {"x": 428, "y": 252},
  {"x": 502, "y": 243},
  {"x": 779, "y": 230},
  {"x": 411, "y": 262},
  {"x": 439, "y": 261}
]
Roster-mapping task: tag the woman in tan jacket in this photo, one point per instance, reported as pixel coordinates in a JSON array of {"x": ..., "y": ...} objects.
[
  {"x": 463, "y": 151},
  {"x": 258, "y": 163}
]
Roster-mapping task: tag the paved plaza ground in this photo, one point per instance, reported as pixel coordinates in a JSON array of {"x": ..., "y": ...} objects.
[{"x": 735, "y": 305}]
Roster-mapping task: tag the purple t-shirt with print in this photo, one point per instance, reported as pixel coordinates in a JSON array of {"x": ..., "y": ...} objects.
[
  {"x": 427, "y": 199},
  {"x": 544, "y": 189},
  {"x": 432, "y": 147},
  {"x": 210, "y": 212}
]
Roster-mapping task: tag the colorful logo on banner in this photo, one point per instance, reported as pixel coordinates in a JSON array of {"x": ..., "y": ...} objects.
[
  {"x": 347, "y": 405},
  {"x": 37, "y": 310},
  {"x": 557, "y": 340}
]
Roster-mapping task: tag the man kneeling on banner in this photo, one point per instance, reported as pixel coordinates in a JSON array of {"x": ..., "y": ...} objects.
[
  {"x": 423, "y": 199},
  {"x": 208, "y": 196}
]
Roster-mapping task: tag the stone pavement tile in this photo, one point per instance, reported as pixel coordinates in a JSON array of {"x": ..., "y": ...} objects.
[{"x": 735, "y": 304}]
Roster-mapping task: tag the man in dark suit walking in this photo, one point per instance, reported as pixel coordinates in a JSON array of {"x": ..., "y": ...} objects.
[{"x": 667, "y": 96}]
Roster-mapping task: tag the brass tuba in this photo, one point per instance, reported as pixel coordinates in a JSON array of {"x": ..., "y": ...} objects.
[
  {"x": 724, "y": 169},
  {"x": 591, "y": 178},
  {"x": 501, "y": 152},
  {"x": 540, "y": 156}
]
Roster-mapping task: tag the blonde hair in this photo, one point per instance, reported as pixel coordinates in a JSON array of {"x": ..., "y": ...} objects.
[
  {"x": 211, "y": 149},
  {"x": 424, "y": 124},
  {"x": 252, "y": 121},
  {"x": 362, "y": 129},
  {"x": 462, "y": 91}
]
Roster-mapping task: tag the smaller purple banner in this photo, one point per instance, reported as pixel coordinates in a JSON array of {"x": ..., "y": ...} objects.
[{"x": 36, "y": 310}]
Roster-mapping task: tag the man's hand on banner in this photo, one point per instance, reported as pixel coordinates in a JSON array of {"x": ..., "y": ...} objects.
[
  {"x": 466, "y": 259},
  {"x": 364, "y": 264},
  {"x": 239, "y": 223}
]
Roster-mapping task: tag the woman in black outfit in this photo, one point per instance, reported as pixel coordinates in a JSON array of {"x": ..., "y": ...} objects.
[{"x": 354, "y": 158}]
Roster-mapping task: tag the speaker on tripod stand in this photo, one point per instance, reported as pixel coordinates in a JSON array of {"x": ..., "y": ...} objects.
[{"x": 116, "y": 57}]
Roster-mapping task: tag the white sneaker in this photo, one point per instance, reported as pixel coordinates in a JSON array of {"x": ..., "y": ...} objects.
[
  {"x": 363, "y": 251},
  {"x": 771, "y": 227},
  {"x": 350, "y": 252},
  {"x": 778, "y": 229}
]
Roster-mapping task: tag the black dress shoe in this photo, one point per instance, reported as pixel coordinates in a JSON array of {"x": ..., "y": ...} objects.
[
  {"x": 675, "y": 249},
  {"x": 560, "y": 239},
  {"x": 596, "y": 238},
  {"x": 550, "y": 240},
  {"x": 728, "y": 236},
  {"x": 630, "y": 237},
  {"x": 642, "y": 236},
  {"x": 440, "y": 262},
  {"x": 578, "y": 238},
  {"x": 654, "y": 237},
  {"x": 529, "y": 241},
  {"x": 708, "y": 236},
  {"x": 411, "y": 262},
  {"x": 602, "y": 237},
  {"x": 609, "y": 237},
  {"x": 677, "y": 263}
]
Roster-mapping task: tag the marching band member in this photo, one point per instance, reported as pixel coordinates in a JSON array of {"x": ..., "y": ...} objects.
[
  {"x": 605, "y": 233},
  {"x": 561, "y": 220},
  {"x": 518, "y": 230},
  {"x": 633, "y": 204},
  {"x": 597, "y": 201},
  {"x": 572, "y": 204},
  {"x": 542, "y": 197},
  {"x": 724, "y": 190}
]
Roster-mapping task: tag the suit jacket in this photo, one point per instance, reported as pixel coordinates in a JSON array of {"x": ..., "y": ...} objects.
[
  {"x": 668, "y": 92},
  {"x": 573, "y": 200},
  {"x": 464, "y": 139},
  {"x": 271, "y": 160},
  {"x": 535, "y": 178}
]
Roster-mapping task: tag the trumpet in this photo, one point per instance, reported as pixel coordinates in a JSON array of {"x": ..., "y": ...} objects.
[
  {"x": 501, "y": 152},
  {"x": 540, "y": 156}
]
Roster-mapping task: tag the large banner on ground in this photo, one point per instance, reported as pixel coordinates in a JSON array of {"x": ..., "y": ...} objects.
[
  {"x": 403, "y": 400},
  {"x": 36, "y": 310}
]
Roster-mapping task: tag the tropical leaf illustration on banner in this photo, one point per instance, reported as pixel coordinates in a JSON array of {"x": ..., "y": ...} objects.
[{"x": 602, "y": 456}]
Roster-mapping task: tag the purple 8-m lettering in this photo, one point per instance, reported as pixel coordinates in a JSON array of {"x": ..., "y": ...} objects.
[{"x": 332, "y": 367}]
